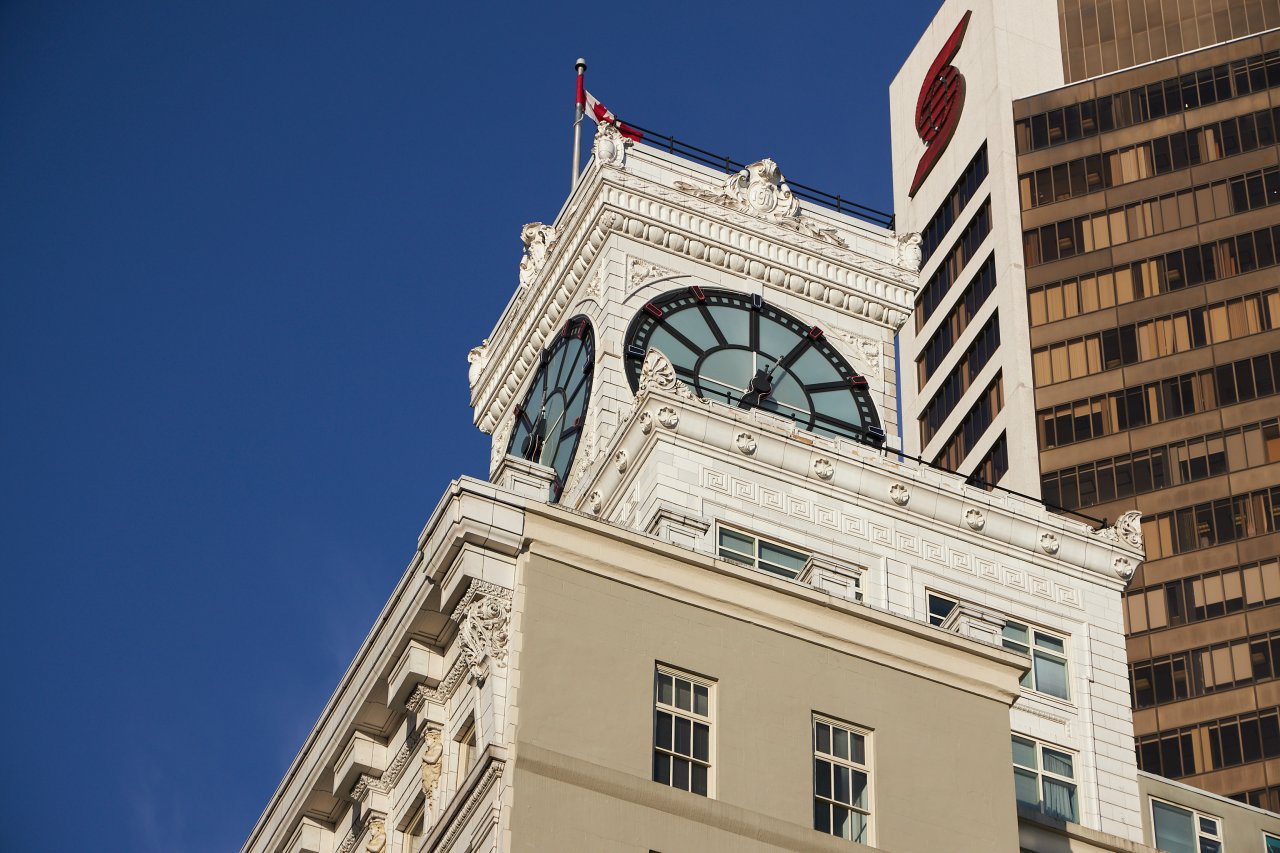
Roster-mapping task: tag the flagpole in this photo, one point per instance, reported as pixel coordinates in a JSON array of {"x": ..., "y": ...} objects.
[{"x": 579, "y": 111}]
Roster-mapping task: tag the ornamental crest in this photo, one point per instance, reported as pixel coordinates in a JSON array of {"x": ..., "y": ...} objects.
[
  {"x": 1127, "y": 529},
  {"x": 657, "y": 374},
  {"x": 761, "y": 191},
  {"x": 483, "y": 617}
]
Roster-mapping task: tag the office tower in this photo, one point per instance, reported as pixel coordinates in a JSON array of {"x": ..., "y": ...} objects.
[{"x": 1137, "y": 143}]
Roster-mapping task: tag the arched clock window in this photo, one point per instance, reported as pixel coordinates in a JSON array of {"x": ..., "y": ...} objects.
[
  {"x": 550, "y": 420},
  {"x": 737, "y": 349}
]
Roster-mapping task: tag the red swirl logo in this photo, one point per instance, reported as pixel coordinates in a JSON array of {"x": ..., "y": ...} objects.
[{"x": 939, "y": 104}]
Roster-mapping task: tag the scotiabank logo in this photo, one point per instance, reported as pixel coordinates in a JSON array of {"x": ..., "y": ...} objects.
[{"x": 938, "y": 107}]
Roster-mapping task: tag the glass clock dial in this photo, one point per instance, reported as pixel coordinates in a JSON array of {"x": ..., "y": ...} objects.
[
  {"x": 737, "y": 349},
  {"x": 549, "y": 421}
]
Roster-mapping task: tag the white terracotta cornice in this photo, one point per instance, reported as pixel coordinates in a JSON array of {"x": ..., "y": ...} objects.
[
  {"x": 612, "y": 200},
  {"x": 760, "y": 448}
]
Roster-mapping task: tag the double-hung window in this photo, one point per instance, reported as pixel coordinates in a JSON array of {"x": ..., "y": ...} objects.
[
  {"x": 841, "y": 780},
  {"x": 682, "y": 731},
  {"x": 1182, "y": 830},
  {"x": 1048, "y": 653},
  {"x": 748, "y": 550},
  {"x": 1045, "y": 778}
]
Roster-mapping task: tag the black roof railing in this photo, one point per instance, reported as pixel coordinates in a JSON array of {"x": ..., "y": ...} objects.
[{"x": 837, "y": 202}]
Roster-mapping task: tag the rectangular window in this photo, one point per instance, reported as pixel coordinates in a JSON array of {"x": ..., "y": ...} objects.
[
  {"x": 1179, "y": 830},
  {"x": 682, "y": 730},
  {"x": 939, "y": 607},
  {"x": 1048, "y": 653},
  {"x": 841, "y": 780},
  {"x": 1044, "y": 778},
  {"x": 1271, "y": 843},
  {"x": 748, "y": 550}
]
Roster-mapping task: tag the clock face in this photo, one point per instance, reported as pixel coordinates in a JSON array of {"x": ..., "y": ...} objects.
[
  {"x": 549, "y": 421},
  {"x": 737, "y": 349}
]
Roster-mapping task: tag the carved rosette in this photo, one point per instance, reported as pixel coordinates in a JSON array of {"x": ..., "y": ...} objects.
[
  {"x": 646, "y": 423},
  {"x": 620, "y": 461},
  {"x": 483, "y": 617},
  {"x": 1049, "y": 543},
  {"x": 975, "y": 519},
  {"x": 824, "y": 469},
  {"x": 595, "y": 501},
  {"x": 746, "y": 443},
  {"x": 668, "y": 418},
  {"x": 1124, "y": 568},
  {"x": 899, "y": 494}
]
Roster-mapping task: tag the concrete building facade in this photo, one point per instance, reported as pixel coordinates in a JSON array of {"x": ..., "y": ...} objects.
[{"x": 1141, "y": 272}]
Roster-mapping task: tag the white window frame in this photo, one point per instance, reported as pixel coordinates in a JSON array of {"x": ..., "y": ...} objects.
[
  {"x": 1040, "y": 774},
  {"x": 669, "y": 756},
  {"x": 1267, "y": 838},
  {"x": 754, "y": 560},
  {"x": 1198, "y": 827},
  {"x": 1032, "y": 648},
  {"x": 826, "y": 804}
]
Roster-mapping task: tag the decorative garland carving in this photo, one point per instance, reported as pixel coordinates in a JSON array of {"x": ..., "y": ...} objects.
[
  {"x": 865, "y": 350},
  {"x": 422, "y": 694},
  {"x": 483, "y": 618},
  {"x": 761, "y": 191},
  {"x": 642, "y": 272},
  {"x": 365, "y": 784},
  {"x": 463, "y": 816}
]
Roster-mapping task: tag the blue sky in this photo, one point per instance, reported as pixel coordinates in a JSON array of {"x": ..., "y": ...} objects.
[{"x": 244, "y": 249}]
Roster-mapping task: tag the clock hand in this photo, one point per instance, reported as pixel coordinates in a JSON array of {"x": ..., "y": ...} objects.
[{"x": 550, "y": 431}]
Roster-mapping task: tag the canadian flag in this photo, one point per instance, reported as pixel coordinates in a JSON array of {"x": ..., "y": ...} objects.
[{"x": 600, "y": 113}]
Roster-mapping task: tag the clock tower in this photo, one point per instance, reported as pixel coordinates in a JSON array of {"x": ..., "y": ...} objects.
[
  {"x": 766, "y": 316},
  {"x": 703, "y": 603}
]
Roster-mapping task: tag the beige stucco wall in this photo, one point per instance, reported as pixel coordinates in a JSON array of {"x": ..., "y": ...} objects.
[
  {"x": 1242, "y": 826},
  {"x": 941, "y": 776}
]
